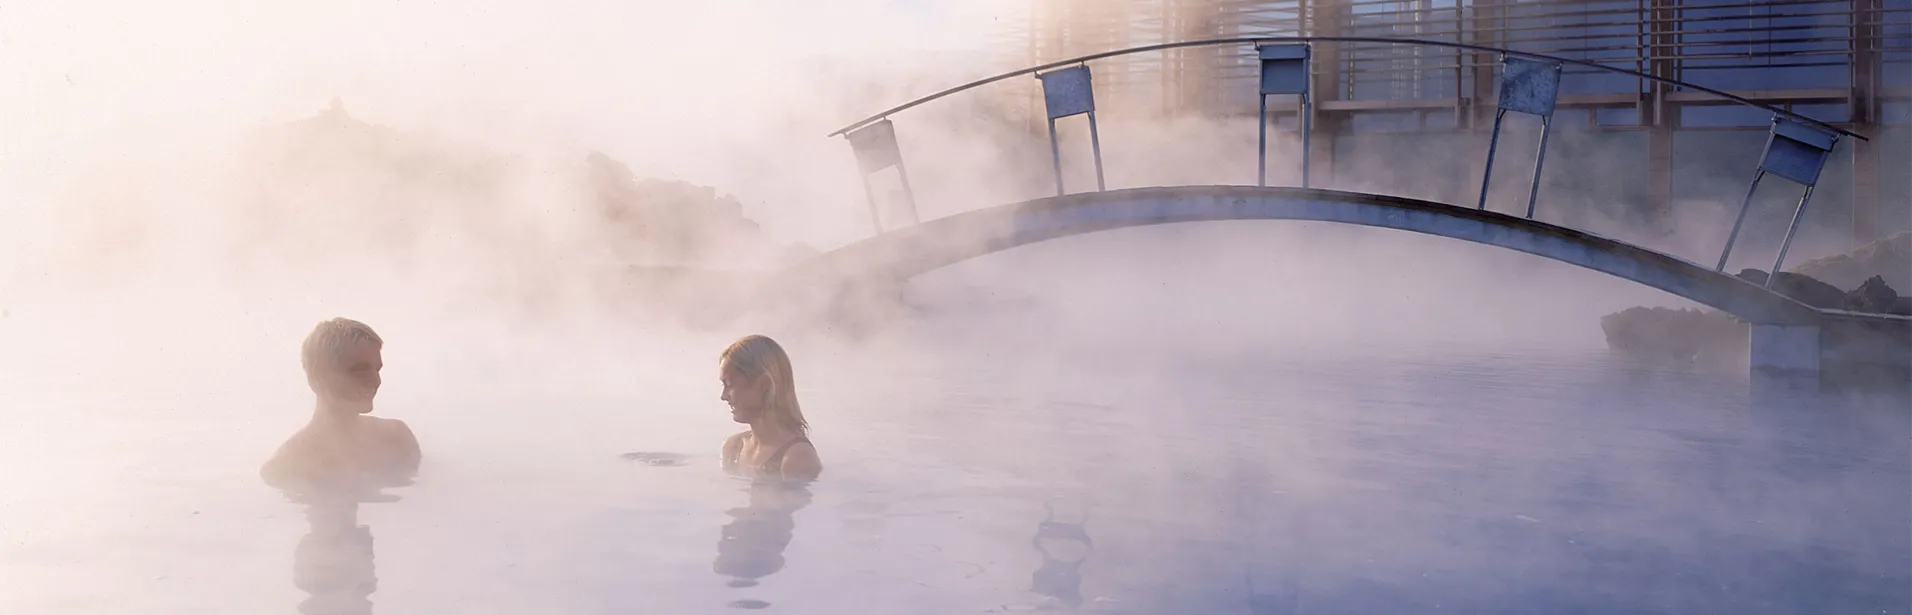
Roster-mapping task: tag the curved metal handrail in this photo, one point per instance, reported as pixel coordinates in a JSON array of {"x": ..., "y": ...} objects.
[{"x": 1217, "y": 42}]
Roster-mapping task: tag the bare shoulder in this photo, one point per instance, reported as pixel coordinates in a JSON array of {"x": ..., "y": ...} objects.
[
  {"x": 277, "y": 470},
  {"x": 302, "y": 443},
  {"x": 801, "y": 462},
  {"x": 392, "y": 427},
  {"x": 293, "y": 459},
  {"x": 392, "y": 432},
  {"x": 733, "y": 448},
  {"x": 735, "y": 444},
  {"x": 396, "y": 459},
  {"x": 804, "y": 453},
  {"x": 398, "y": 434}
]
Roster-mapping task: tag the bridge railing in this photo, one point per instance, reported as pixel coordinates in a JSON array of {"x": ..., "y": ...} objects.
[{"x": 1797, "y": 147}]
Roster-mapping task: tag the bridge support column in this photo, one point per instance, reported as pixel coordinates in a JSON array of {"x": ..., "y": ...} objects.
[
  {"x": 1838, "y": 350},
  {"x": 1659, "y": 115},
  {"x": 1867, "y": 74},
  {"x": 1865, "y": 188},
  {"x": 1659, "y": 206},
  {"x": 1785, "y": 348},
  {"x": 1324, "y": 18},
  {"x": 1867, "y": 351}
]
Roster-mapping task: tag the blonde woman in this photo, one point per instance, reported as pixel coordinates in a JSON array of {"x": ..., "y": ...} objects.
[{"x": 760, "y": 387}]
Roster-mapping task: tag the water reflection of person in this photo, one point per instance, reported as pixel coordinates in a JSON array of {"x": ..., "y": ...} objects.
[
  {"x": 751, "y": 545},
  {"x": 340, "y": 459},
  {"x": 760, "y": 387},
  {"x": 1064, "y": 544},
  {"x": 333, "y": 563}
]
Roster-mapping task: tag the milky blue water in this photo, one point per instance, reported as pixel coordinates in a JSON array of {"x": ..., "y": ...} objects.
[
  {"x": 1019, "y": 464},
  {"x": 1410, "y": 480}
]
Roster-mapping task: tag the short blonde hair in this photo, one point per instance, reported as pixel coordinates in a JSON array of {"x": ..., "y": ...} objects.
[
  {"x": 331, "y": 338},
  {"x": 756, "y": 356}
]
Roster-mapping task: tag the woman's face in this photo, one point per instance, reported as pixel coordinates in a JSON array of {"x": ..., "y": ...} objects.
[{"x": 745, "y": 394}]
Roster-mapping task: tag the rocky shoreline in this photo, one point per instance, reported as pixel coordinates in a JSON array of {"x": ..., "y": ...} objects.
[{"x": 1873, "y": 272}]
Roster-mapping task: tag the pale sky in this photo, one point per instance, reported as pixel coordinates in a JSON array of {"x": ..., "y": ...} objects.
[
  {"x": 649, "y": 81},
  {"x": 74, "y": 64}
]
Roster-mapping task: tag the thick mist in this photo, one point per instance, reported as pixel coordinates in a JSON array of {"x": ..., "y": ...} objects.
[{"x": 526, "y": 202}]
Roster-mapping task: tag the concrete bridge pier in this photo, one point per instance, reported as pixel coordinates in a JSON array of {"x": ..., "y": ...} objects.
[
  {"x": 1785, "y": 348},
  {"x": 1871, "y": 350}
]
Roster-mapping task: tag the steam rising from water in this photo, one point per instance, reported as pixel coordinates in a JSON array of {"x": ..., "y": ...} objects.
[{"x": 170, "y": 233}]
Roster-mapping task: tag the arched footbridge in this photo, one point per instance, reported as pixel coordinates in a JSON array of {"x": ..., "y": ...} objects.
[
  {"x": 941, "y": 242},
  {"x": 1786, "y": 334}
]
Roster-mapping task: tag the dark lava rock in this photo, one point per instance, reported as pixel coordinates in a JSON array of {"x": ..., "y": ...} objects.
[
  {"x": 1873, "y": 296},
  {"x": 1681, "y": 335},
  {"x": 1802, "y": 288},
  {"x": 1872, "y": 270},
  {"x": 1890, "y": 257}
]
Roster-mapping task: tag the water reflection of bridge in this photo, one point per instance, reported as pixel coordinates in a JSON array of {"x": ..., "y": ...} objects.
[{"x": 1787, "y": 334}]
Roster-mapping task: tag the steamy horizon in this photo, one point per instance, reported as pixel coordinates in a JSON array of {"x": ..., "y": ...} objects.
[{"x": 505, "y": 192}]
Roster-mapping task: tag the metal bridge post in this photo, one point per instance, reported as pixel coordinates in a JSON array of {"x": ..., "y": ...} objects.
[
  {"x": 1799, "y": 212},
  {"x": 1794, "y": 151},
  {"x": 1740, "y": 219},
  {"x": 1307, "y": 137},
  {"x": 909, "y": 194},
  {"x": 1284, "y": 70},
  {"x": 1055, "y": 155},
  {"x": 1533, "y": 193},
  {"x": 1261, "y": 153},
  {"x": 869, "y": 195},
  {"x": 1095, "y": 146},
  {"x": 1530, "y": 86},
  {"x": 1493, "y": 143},
  {"x": 1066, "y": 92},
  {"x": 876, "y": 149}
]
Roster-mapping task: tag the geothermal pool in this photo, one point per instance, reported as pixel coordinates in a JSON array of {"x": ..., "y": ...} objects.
[{"x": 1386, "y": 476}]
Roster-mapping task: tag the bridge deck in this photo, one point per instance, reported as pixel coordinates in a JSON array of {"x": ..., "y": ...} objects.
[{"x": 937, "y": 243}]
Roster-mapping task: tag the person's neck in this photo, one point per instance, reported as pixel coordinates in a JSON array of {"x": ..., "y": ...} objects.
[
  {"x": 767, "y": 430},
  {"x": 331, "y": 411}
]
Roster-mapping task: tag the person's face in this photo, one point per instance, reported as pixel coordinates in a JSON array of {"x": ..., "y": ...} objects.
[
  {"x": 746, "y": 395},
  {"x": 353, "y": 376}
]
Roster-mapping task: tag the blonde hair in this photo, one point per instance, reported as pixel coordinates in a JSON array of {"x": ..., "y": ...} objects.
[
  {"x": 330, "y": 339},
  {"x": 756, "y": 356}
]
